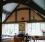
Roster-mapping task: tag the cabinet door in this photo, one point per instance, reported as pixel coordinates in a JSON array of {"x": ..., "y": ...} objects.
[{"x": 23, "y": 15}]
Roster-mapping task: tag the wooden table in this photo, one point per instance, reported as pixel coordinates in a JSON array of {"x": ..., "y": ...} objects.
[
  {"x": 38, "y": 37},
  {"x": 34, "y": 38}
]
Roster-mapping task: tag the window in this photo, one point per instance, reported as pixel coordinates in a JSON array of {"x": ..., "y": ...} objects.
[
  {"x": 10, "y": 29},
  {"x": 35, "y": 29}
]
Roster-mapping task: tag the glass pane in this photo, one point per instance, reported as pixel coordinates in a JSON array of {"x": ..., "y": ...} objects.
[
  {"x": 28, "y": 28},
  {"x": 33, "y": 29},
  {"x": 43, "y": 26},
  {"x": 10, "y": 29}
]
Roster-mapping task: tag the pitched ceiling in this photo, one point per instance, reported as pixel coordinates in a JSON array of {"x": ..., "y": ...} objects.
[{"x": 39, "y": 5}]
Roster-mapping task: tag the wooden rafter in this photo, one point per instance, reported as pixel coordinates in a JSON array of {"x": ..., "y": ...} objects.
[{"x": 11, "y": 13}]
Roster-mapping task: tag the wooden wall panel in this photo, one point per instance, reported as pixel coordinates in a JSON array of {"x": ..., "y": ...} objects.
[
  {"x": 23, "y": 15},
  {"x": 34, "y": 16},
  {"x": 11, "y": 18}
]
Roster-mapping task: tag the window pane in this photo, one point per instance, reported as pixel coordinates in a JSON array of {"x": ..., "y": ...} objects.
[
  {"x": 43, "y": 26},
  {"x": 33, "y": 29},
  {"x": 9, "y": 30},
  {"x": 28, "y": 28}
]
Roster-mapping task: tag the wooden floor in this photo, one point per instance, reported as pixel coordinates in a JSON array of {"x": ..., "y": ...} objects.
[
  {"x": 12, "y": 40},
  {"x": 8, "y": 40},
  {"x": 16, "y": 39}
]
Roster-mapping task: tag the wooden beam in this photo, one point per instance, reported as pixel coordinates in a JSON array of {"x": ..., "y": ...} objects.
[
  {"x": 29, "y": 3},
  {"x": 41, "y": 16},
  {"x": 14, "y": 0},
  {"x": 10, "y": 14}
]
